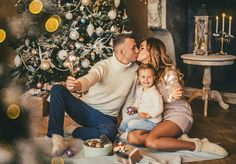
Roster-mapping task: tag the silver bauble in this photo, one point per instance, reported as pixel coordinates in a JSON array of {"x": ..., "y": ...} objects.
[
  {"x": 113, "y": 29},
  {"x": 116, "y": 3},
  {"x": 90, "y": 29},
  {"x": 99, "y": 31},
  {"x": 17, "y": 61},
  {"x": 68, "y": 15},
  {"x": 74, "y": 35},
  {"x": 85, "y": 63},
  {"x": 62, "y": 54},
  {"x": 112, "y": 14},
  {"x": 85, "y": 2}
]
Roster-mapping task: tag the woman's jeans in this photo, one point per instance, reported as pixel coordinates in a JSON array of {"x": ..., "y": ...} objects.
[
  {"x": 94, "y": 123},
  {"x": 134, "y": 122}
]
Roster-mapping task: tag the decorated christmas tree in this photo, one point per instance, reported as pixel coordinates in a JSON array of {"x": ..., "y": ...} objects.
[{"x": 60, "y": 38}]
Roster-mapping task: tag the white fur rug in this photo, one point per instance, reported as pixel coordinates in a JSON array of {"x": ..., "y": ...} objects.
[{"x": 45, "y": 145}]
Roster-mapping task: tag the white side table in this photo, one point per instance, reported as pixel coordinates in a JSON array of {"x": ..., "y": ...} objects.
[{"x": 207, "y": 62}]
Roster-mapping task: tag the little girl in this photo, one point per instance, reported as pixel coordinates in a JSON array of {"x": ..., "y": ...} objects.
[{"x": 146, "y": 112}]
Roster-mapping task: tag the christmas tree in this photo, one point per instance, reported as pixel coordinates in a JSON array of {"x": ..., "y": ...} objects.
[{"x": 57, "y": 38}]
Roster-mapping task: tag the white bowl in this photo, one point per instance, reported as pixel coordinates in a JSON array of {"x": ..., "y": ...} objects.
[{"x": 94, "y": 152}]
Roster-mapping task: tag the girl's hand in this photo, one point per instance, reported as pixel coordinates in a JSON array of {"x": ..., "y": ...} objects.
[{"x": 142, "y": 115}]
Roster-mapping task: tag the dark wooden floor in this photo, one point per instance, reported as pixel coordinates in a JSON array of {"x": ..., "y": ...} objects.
[{"x": 218, "y": 127}]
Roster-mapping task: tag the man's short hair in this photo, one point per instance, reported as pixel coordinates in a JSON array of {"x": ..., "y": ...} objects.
[{"x": 120, "y": 39}]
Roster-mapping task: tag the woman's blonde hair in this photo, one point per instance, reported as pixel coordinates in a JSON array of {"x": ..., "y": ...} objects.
[{"x": 160, "y": 59}]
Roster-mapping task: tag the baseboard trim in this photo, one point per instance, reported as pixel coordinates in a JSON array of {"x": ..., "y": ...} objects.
[{"x": 227, "y": 97}]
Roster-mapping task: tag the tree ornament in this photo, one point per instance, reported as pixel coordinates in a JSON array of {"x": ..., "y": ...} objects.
[
  {"x": 85, "y": 63},
  {"x": 93, "y": 55},
  {"x": 39, "y": 85},
  {"x": 2, "y": 35},
  {"x": 78, "y": 45},
  {"x": 99, "y": 31},
  {"x": 112, "y": 14},
  {"x": 66, "y": 64},
  {"x": 113, "y": 29},
  {"x": 69, "y": 16},
  {"x": 83, "y": 20},
  {"x": 81, "y": 39},
  {"x": 116, "y": 3},
  {"x": 35, "y": 6},
  {"x": 53, "y": 23},
  {"x": 62, "y": 54},
  {"x": 45, "y": 64},
  {"x": 69, "y": 153},
  {"x": 90, "y": 29},
  {"x": 74, "y": 35},
  {"x": 86, "y": 2},
  {"x": 17, "y": 61}
]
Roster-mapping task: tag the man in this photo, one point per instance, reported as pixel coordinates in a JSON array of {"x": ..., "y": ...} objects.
[{"x": 107, "y": 85}]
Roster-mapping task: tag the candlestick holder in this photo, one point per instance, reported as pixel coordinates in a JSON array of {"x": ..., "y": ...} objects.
[{"x": 222, "y": 37}]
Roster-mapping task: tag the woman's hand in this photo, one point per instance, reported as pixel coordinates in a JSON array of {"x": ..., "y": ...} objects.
[
  {"x": 72, "y": 84},
  {"x": 177, "y": 93}
]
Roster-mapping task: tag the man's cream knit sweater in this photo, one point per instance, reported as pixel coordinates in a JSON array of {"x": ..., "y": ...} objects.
[{"x": 108, "y": 84}]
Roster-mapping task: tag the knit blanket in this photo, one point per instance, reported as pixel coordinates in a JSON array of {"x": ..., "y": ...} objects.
[{"x": 44, "y": 144}]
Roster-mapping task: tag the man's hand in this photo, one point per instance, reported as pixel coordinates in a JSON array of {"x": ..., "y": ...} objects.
[{"x": 72, "y": 84}]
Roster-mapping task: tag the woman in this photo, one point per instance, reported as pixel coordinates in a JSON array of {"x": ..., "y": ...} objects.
[{"x": 177, "y": 115}]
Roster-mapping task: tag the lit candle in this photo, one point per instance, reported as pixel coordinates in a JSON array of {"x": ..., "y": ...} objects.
[
  {"x": 217, "y": 23},
  {"x": 230, "y": 21},
  {"x": 223, "y": 22}
]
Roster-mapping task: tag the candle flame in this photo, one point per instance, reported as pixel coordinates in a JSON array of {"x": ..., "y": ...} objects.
[
  {"x": 217, "y": 17},
  {"x": 230, "y": 17},
  {"x": 223, "y": 15}
]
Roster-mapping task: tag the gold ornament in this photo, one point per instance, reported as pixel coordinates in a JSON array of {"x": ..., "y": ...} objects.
[
  {"x": 2, "y": 35},
  {"x": 36, "y": 6},
  {"x": 53, "y": 23},
  {"x": 45, "y": 65},
  {"x": 81, "y": 39},
  {"x": 13, "y": 111},
  {"x": 57, "y": 160},
  {"x": 86, "y": 2}
]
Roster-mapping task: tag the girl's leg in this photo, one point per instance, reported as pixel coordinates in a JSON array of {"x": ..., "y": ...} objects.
[
  {"x": 124, "y": 123},
  {"x": 142, "y": 124},
  {"x": 164, "y": 137}
]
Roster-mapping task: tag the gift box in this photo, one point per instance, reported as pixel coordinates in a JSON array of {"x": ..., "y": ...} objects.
[{"x": 37, "y": 105}]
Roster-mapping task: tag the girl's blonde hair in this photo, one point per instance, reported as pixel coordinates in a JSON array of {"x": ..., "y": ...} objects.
[{"x": 160, "y": 59}]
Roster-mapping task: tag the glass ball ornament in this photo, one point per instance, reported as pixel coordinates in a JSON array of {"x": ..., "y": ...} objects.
[
  {"x": 69, "y": 153},
  {"x": 85, "y": 63},
  {"x": 74, "y": 35},
  {"x": 112, "y": 14},
  {"x": 83, "y": 20},
  {"x": 86, "y": 2},
  {"x": 81, "y": 39},
  {"x": 99, "y": 31},
  {"x": 39, "y": 85},
  {"x": 69, "y": 16},
  {"x": 45, "y": 65},
  {"x": 62, "y": 54}
]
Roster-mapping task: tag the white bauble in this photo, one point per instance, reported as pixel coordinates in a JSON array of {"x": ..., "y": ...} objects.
[
  {"x": 113, "y": 29},
  {"x": 68, "y": 15},
  {"x": 99, "y": 31},
  {"x": 116, "y": 3},
  {"x": 85, "y": 63},
  {"x": 85, "y": 2},
  {"x": 74, "y": 35},
  {"x": 17, "y": 61},
  {"x": 90, "y": 29},
  {"x": 112, "y": 14},
  {"x": 72, "y": 58},
  {"x": 45, "y": 65},
  {"x": 62, "y": 54},
  {"x": 39, "y": 85},
  {"x": 93, "y": 55},
  {"x": 78, "y": 45}
]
